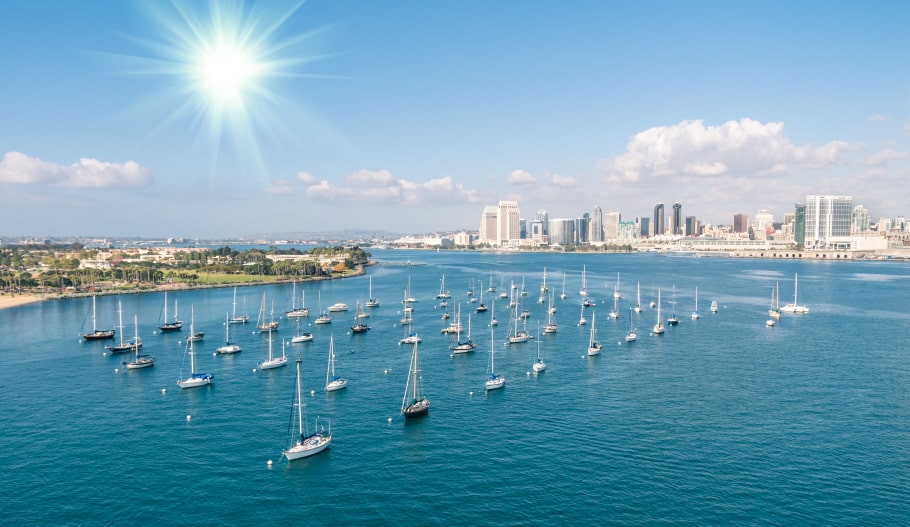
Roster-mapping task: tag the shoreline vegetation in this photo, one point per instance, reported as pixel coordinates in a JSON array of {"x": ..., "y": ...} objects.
[{"x": 61, "y": 272}]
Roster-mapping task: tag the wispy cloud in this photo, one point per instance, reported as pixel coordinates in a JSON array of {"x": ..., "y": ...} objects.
[
  {"x": 889, "y": 154},
  {"x": 381, "y": 187},
  {"x": 520, "y": 178},
  {"x": 306, "y": 178},
  {"x": 693, "y": 150},
  {"x": 281, "y": 186},
  {"x": 876, "y": 118},
  {"x": 21, "y": 169}
]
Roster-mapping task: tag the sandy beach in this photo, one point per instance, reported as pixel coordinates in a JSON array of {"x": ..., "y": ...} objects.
[{"x": 18, "y": 300}]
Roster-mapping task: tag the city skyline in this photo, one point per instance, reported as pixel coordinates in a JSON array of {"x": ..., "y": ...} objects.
[{"x": 231, "y": 118}]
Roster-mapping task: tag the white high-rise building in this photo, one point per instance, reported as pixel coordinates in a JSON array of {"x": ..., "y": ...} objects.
[
  {"x": 611, "y": 225},
  {"x": 829, "y": 220},
  {"x": 507, "y": 223},
  {"x": 488, "y": 225},
  {"x": 860, "y": 219},
  {"x": 597, "y": 225}
]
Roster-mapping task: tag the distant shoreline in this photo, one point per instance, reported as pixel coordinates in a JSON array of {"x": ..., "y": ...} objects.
[{"x": 10, "y": 300}]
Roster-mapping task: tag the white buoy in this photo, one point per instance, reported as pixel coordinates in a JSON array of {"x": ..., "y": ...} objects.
[
  {"x": 386, "y": 371},
  {"x": 390, "y": 420},
  {"x": 471, "y": 393},
  {"x": 312, "y": 393},
  {"x": 163, "y": 391},
  {"x": 619, "y": 343},
  {"x": 269, "y": 463},
  {"x": 116, "y": 370},
  {"x": 254, "y": 370},
  {"x": 104, "y": 354},
  {"x": 528, "y": 373},
  {"x": 188, "y": 417}
]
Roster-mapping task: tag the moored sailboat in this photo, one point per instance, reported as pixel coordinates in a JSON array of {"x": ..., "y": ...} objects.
[
  {"x": 414, "y": 403},
  {"x": 235, "y": 318},
  {"x": 98, "y": 334},
  {"x": 229, "y": 347},
  {"x": 303, "y": 444},
  {"x": 659, "y": 326},
  {"x": 332, "y": 381},
  {"x": 274, "y": 362},
  {"x": 494, "y": 381},
  {"x": 195, "y": 379},
  {"x": 594, "y": 347},
  {"x": 139, "y": 360},
  {"x": 794, "y": 308},
  {"x": 177, "y": 324},
  {"x": 124, "y": 347}
]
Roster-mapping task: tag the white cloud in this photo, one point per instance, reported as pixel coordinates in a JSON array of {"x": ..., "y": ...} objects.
[
  {"x": 380, "y": 187},
  {"x": 19, "y": 168},
  {"x": 563, "y": 181},
  {"x": 695, "y": 151},
  {"x": 888, "y": 154},
  {"x": 306, "y": 178},
  {"x": 281, "y": 186},
  {"x": 520, "y": 177},
  {"x": 876, "y": 118}
]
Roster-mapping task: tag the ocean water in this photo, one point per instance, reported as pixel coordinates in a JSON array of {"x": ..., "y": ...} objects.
[{"x": 719, "y": 420}]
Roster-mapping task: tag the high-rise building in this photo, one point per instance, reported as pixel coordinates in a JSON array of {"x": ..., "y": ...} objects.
[
  {"x": 860, "y": 219},
  {"x": 611, "y": 225},
  {"x": 541, "y": 216},
  {"x": 507, "y": 224},
  {"x": 659, "y": 224},
  {"x": 597, "y": 225},
  {"x": 799, "y": 224},
  {"x": 536, "y": 231},
  {"x": 645, "y": 224},
  {"x": 488, "y": 225},
  {"x": 522, "y": 228},
  {"x": 676, "y": 220},
  {"x": 583, "y": 229},
  {"x": 740, "y": 223},
  {"x": 827, "y": 217},
  {"x": 691, "y": 226},
  {"x": 562, "y": 231}
]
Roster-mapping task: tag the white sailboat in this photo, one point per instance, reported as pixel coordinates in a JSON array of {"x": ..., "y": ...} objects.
[
  {"x": 550, "y": 326},
  {"x": 297, "y": 312},
  {"x": 266, "y": 325},
  {"x": 516, "y": 335},
  {"x": 631, "y": 336},
  {"x": 372, "y": 302},
  {"x": 637, "y": 307},
  {"x": 303, "y": 444},
  {"x": 139, "y": 360},
  {"x": 481, "y": 307},
  {"x": 614, "y": 313},
  {"x": 616, "y": 294},
  {"x": 323, "y": 317},
  {"x": 332, "y": 381},
  {"x": 235, "y": 318},
  {"x": 274, "y": 362},
  {"x": 229, "y": 347},
  {"x": 467, "y": 345},
  {"x": 494, "y": 381},
  {"x": 563, "y": 294},
  {"x": 594, "y": 347},
  {"x": 584, "y": 281},
  {"x": 774, "y": 310},
  {"x": 543, "y": 288},
  {"x": 659, "y": 326},
  {"x": 493, "y": 320},
  {"x": 301, "y": 336},
  {"x": 443, "y": 292},
  {"x": 713, "y": 306},
  {"x": 539, "y": 365},
  {"x": 414, "y": 403},
  {"x": 582, "y": 321},
  {"x": 100, "y": 334},
  {"x": 794, "y": 308},
  {"x": 195, "y": 379},
  {"x": 695, "y": 314}
]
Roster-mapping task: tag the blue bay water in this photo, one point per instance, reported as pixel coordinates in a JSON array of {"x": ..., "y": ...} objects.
[{"x": 720, "y": 420}]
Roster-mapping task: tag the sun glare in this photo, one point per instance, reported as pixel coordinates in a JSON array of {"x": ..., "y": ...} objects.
[{"x": 225, "y": 73}]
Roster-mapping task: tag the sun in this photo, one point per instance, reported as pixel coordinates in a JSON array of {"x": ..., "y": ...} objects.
[{"x": 225, "y": 73}]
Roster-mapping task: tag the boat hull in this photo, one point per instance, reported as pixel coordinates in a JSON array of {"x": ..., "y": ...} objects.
[
  {"x": 309, "y": 446},
  {"x": 141, "y": 363},
  {"x": 417, "y": 409},
  {"x": 274, "y": 363},
  {"x": 337, "y": 384},
  {"x": 306, "y": 337},
  {"x": 228, "y": 349},
  {"x": 495, "y": 384},
  {"x": 197, "y": 380},
  {"x": 99, "y": 335}
]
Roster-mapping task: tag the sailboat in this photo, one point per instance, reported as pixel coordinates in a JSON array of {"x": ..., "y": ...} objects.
[
  {"x": 516, "y": 335},
  {"x": 303, "y": 444},
  {"x": 673, "y": 319},
  {"x": 414, "y": 403},
  {"x": 123, "y": 347},
  {"x": 772, "y": 313},
  {"x": 274, "y": 362},
  {"x": 794, "y": 308},
  {"x": 332, "y": 381},
  {"x": 491, "y": 289},
  {"x": 539, "y": 364},
  {"x": 443, "y": 292},
  {"x": 235, "y": 318},
  {"x": 229, "y": 347},
  {"x": 98, "y": 334},
  {"x": 481, "y": 307},
  {"x": 323, "y": 317},
  {"x": 493, "y": 320},
  {"x": 614, "y": 313},
  {"x": 494, "y": 381},
  {"x": 659, "y": 326},
  {"x": 563, "y": 294},
  {"x": 297, "y": 312},
  {"x": 464, "y": 346},
  {"x": 359, "y": 325},
  {"x": 631, "y": 336},
  {"x": 176, "y": 325},
  {"x": 550, "y": 327},
  {"x": 695, "y": 314},
  {"x": 410, "y": 338},
  {"x": 774, "y": 310},
  {"x": 372, "y": 302},
  {"x": 714, "y": 306},
  {"x": 139, "y": 360},
  {"x": 543, "y": 288},
  {"x": 195, "y": 379},
  {"x": 584, "y": 281},
  {"x": 594, "y": 347},
  {"x": 582, "y": 321},
  {"x": 637, "y": 307},
  {"x": 616, "y": 294},
  {"x": 266, "y": 325}
]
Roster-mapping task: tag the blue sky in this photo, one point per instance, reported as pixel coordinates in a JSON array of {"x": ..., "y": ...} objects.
[{"x": 411, "y": 116}]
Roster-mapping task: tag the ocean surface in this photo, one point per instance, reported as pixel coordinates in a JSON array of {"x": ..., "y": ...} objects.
[{"x": 721, "y": 420}]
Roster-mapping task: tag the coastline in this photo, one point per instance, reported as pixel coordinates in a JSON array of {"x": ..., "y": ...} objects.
[{"x": 10, "y": 300}]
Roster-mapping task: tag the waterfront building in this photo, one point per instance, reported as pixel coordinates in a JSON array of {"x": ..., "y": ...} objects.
[
  {"x": 541, "y": 216},
  {"x": 582, "y": 229},
  {"x": 740, "y": 223},
  {"x": 860, "y": 219},
  {"x": 676, "y": 220},
  {"x": 691, "y": 226},
  {"x": 799, "y": 224},
  {"x": 645, "y": 227},
  {"x": 828, "y": 221},
  {"x": 561, "y": 231},
  {"x": 659, "y": 225},
  {"x": 597, "y": 225},
  {"x": 507, "y": 222},
  {"x": 488, "y": 225},
  {"x": 537, "y": 231},
  {"x": 611, "y": 225},
  {"x": 626, "y": 230}
]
